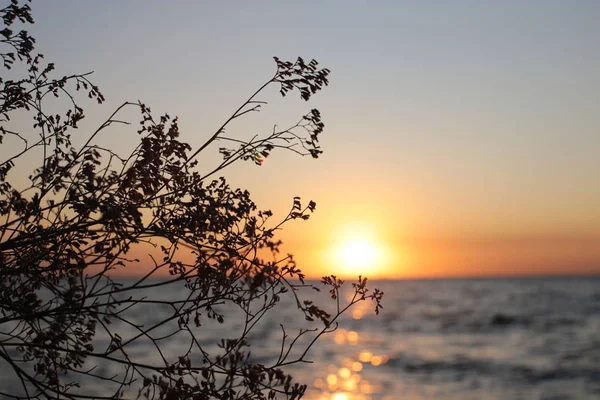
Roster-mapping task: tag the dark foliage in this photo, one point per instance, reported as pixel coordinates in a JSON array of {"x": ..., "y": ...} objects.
[{"x": 83, "y": 211}]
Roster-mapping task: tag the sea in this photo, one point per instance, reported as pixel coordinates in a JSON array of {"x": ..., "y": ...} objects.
[{"x": 532, "y": 338}]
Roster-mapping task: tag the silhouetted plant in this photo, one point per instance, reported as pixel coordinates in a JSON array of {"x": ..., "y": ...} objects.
[{"x": 85, "y": 208}]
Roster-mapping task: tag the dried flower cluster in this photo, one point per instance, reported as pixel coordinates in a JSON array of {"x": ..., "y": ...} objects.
[{"x": 85, "y": 208}]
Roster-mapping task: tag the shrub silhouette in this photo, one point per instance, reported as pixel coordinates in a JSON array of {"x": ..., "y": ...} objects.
[{"x": 86, "y": 208}]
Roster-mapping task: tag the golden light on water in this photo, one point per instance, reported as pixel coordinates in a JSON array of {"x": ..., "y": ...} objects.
[
  {"x": 346, "y": 337},
  {"x": 352, "y": 337},
  {"x": 345, "y": 381},
  {"x": 332, "y": 381},
  {"x": 344, "y": 373},
  {"x": 365, "y": 356},
  {"x": 340, "y": 396}
]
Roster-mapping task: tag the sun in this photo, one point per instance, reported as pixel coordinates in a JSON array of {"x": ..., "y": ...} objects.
[
  {"x": 357, "y": 253},
  {"x": 358, "y": 248},
  {"x": 356, "y": 256}
]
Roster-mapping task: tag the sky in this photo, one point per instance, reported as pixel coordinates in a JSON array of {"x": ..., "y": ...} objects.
[{"x": 462, "y": 137}]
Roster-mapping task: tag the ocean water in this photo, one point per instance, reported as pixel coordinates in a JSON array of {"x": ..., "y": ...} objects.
[
  {"x": 469, "y": 339},
  {"x": 435, "y": 339}
]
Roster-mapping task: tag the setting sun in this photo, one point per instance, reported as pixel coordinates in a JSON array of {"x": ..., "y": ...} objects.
[
  {"x": 358, "y": 248},
  {"x": 358, "y": 254}
]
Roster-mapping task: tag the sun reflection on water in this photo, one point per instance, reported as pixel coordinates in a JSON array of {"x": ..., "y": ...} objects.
[{"x": 344, "y": 381}]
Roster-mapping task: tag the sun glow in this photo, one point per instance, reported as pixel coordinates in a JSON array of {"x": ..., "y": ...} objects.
[
  {"x": 357, "y": 254},
  {"x": 358, "y": 248}
]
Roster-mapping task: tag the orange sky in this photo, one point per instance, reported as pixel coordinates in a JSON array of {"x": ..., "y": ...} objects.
[{"x": 461, "y": 139}]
